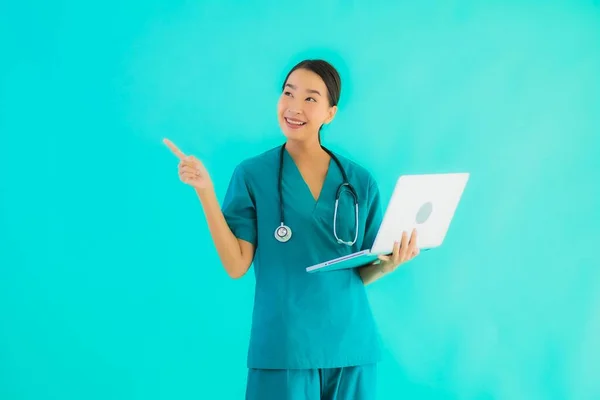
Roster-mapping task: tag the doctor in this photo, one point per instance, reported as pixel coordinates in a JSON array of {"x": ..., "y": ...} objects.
[{"x": 313, "y": 336}]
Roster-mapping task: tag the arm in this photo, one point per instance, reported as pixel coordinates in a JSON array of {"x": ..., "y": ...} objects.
[
  {"x": 237, "y": 221},
  {"x": 403, "y": 251},
  {"x": 236, "y": 254},
  {"x": 371, "y": 272}
]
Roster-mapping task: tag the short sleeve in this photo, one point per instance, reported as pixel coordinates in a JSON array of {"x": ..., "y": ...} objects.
[
  {"x": 239, "y": 207},
  {"x": 374, "y": 215}
]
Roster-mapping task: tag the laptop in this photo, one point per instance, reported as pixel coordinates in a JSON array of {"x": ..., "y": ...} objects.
[{"x": 426, "y": 202}]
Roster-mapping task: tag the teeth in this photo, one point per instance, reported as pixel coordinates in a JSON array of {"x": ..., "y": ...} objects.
[{"x": 295, "y": 122}]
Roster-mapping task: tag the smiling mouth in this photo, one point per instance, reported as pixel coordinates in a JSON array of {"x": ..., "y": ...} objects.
[{"x": 294, "y": 122}]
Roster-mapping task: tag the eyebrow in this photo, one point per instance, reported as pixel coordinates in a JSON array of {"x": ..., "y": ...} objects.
[{"x": 308, "y": 90}]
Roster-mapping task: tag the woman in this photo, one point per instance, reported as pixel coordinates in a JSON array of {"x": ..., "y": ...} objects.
[{"x": 313, "y": 335}]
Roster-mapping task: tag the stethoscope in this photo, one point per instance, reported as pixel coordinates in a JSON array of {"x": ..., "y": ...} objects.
[{"x": 283, "y": 233}]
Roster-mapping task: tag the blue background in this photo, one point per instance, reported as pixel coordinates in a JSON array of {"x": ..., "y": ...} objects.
[{"x": 109, "y": 285}]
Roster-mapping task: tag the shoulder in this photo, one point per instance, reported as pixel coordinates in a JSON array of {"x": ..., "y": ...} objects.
[
  {"x": 257, "y": 164},
  {"x": 356, "y": 172},
  {"x": 252, "y": 172},
  {"x": 362, "y": 179}
]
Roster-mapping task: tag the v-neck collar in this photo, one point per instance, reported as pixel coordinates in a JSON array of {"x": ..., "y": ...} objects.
[{"x": 306, "y": 193}]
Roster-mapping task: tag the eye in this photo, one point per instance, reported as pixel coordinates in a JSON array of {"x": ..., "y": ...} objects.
[
  {"x": 311, "y": 99},
  {"x": 286, "y": 93}
]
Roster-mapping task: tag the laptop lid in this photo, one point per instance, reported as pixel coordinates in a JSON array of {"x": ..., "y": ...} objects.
[{"x": 426, "y": 202}]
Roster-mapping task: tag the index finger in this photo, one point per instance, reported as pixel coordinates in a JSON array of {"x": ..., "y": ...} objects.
[{"x": 174, "y": 149}]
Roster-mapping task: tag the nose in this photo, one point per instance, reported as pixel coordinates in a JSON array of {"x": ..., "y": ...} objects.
[{"x": 295, "y": 106}]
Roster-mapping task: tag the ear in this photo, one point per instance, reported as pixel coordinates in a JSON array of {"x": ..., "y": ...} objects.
[{"x": 331, "y": 114}]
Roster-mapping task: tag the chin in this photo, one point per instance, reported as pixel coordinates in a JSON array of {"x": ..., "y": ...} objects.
[{"x": 293, "y": 135}]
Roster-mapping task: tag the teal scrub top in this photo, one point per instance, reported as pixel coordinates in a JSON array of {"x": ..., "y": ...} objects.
[{"x": 302, "y": 320}]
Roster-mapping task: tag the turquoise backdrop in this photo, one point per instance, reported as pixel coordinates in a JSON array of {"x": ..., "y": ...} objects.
[{"x": 109, "y": 285}]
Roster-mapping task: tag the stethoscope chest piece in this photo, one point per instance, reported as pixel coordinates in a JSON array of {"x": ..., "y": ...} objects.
[{"x": 283, "y": 233}]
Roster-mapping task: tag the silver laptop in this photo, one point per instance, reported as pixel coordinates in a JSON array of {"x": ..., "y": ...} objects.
[{"x": 426, "y": 202}]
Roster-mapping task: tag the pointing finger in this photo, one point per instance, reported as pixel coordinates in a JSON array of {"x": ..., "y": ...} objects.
[{"x": 174, "y": 149}]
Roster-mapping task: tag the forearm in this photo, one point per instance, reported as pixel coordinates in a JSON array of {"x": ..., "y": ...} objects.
[
  {"x": 372, "y": 272},
  {"x": 227, "y": 245}
]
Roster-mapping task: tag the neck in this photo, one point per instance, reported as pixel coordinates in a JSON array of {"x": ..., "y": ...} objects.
[{"x": 305, "y": 150}]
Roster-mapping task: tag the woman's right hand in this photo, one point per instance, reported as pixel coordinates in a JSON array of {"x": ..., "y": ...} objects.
[{"x": 191, "y": 170}]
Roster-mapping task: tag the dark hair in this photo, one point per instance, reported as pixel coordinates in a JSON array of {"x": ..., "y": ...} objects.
[{"x": 329, "y": 75}]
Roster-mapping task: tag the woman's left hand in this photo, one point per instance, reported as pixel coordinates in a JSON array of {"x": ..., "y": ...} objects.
[{"x": 403, "y": 251}]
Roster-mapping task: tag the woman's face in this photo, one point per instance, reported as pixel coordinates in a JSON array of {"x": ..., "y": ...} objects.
[{"x": 304, "y": 106}]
